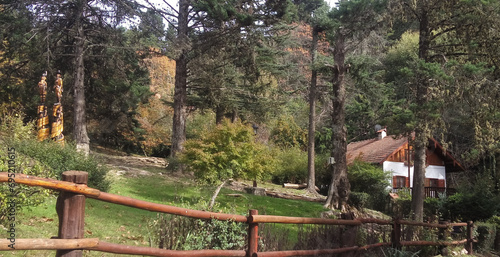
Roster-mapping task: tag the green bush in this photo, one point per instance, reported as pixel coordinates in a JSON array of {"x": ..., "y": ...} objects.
[
  {"x": 367, "y": 178},
  {"x": 182, "y": 233},
  {"x": 13, "y": 128},
  {"x": 228, "y": 151},
  {"x": 60, "y": 159},
  {"x": 16, "y": 197},
  {"x": 54, "y": 158},
  {"x": 286, "y": 133},
  {"x": 432, "y": 208},
  {"x": 16, "y": 194},
  {"x": 359, "y": 199},
  {"x": 363, "y": 177},
  {"x": 477, "y": 203},
  {"x": 496, "y": 220},
  {"x": 486, "y": 233},
  {"x": 217, "y": 235},
  {"x": 292, "y": 166},
  {"x": 402, "y": 206}
]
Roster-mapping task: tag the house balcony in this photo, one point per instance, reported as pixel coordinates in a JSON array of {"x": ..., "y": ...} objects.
[{"x": 430, "y": 192}]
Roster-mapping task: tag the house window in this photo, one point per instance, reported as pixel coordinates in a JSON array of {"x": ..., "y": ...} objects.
[{"x": 399, "y": 182}]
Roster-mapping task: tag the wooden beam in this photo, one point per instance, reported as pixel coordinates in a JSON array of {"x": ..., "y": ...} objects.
[
  {"x": 117, "y": 199},
  {"x": 51, "y": 184},
  {"x": 48, "y": 244},
  {"x": 156, "y": 207},
  {"x": 300, "y": 220},
  {"x": 432, "y": 243},
  {"x": 149, "y": 251},
  {"x": 306, "y": 252}
]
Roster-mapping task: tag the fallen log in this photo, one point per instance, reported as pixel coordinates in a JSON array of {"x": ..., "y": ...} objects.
[
  {"x": 298, "y": 186},
  {"x": 294, "y": 197},
  {"x": 294, "y": 186}
]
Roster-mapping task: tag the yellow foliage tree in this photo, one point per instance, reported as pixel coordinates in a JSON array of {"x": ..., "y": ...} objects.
[{"x": 155, "y": 117}]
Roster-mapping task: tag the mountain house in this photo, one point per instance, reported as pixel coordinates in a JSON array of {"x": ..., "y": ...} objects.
[{"x": 392, "y": 154}]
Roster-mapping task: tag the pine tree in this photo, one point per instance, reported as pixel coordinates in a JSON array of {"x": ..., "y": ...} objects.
[
  {"x": 212, "y": 22},
  {"x": 354, "y": 20},
  {"x": 448, "y": 32}
]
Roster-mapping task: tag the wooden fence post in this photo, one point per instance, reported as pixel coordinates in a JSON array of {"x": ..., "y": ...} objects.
[
  {"x": 396, "y": 234},
  {"x": 470, "y": 237},
  {"x": 71, "y": 212},
  {"x": 443, "y": 235},
  {"x": 253, "y": 234}
]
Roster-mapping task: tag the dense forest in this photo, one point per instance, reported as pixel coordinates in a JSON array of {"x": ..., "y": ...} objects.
[{"x": 292, "y": 80}]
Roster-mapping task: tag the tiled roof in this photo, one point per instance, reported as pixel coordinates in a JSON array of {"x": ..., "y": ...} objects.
[{"x": 374, "y": 150}]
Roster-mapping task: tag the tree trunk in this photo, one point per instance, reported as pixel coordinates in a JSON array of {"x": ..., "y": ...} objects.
[
  {"x": 421, "y": 131},
  {"x": 180, "y": 90},
  {"x": 79, "y": 123},
  {"x": 216, "y": 193},
  {"x": 418, "y": 192},
  {"x": 339, "y": 188},
  {"x": 311, "y": 179},
  {"x": 219, "y": 114}
]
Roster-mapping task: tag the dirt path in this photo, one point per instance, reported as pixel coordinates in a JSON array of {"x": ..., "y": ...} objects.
[{"x": 123, "y": 164}]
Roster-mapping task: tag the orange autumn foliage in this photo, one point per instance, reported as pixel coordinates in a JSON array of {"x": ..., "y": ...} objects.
[{"x": 155, "y": 117}]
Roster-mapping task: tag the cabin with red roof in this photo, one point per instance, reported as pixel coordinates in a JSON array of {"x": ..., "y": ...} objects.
[{"x": 394, "y": 155}]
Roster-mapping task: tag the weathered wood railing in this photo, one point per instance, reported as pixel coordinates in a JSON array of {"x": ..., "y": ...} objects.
[
  {"x": 429, "y": 192},
  {"x": 71, "y": 207}
]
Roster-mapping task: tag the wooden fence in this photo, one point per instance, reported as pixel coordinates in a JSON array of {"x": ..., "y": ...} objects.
[
  {"x": 429, "y": 192},
  {"x": 70, "y": 208}
]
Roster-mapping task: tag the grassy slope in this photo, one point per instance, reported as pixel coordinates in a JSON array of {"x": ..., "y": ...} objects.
[{"x": 125, "y": 225}]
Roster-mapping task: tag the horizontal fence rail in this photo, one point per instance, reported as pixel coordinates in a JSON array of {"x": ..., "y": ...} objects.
[
  {"x": 97, "y": 245},
  {"x": 72, "y": 247},
  {"x": 50, "y": 244},
  {"x": 118, "y": 199}
]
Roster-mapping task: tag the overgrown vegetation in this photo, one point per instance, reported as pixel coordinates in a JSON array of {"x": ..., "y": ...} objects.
[
  {"x": 21, "y": 196},
  {"x": 42, "y": 159},
  {"x": 372, "y": 180},
  {"x": 181, "y": 233},
  {"x": 292, "y": 166}
]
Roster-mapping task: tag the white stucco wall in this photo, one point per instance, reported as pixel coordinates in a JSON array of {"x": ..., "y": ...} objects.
[{"x": 399, "y": 169}]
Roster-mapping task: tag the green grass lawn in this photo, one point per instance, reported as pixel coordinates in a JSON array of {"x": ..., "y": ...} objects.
[{"x": 125, "y": 225}]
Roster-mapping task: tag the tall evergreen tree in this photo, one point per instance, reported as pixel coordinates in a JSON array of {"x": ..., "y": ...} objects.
[
  {"x": 354, "y": 21},
  {"x": 444, "y": 31},
  {"x": 315, "y": 14},
  {"x": 202, "y": 24}
]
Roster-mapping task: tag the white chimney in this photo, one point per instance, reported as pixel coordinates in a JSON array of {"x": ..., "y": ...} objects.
[{"x": 382, "y": 133}]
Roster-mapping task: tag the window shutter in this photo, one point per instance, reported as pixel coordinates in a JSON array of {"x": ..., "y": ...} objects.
[
  {"x": 394, "y": 181},
  {"x": 441, "y": 183}
]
